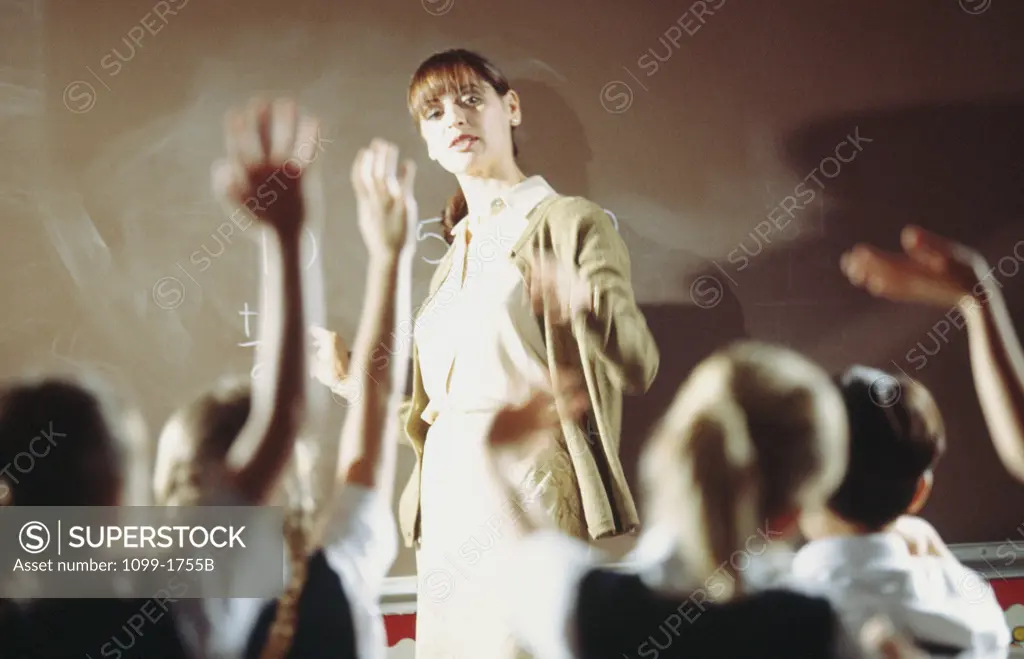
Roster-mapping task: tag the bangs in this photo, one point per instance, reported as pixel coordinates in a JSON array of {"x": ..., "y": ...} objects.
[{"x": 438, "y": 78}]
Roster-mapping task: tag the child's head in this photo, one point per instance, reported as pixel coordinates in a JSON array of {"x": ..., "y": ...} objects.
[
  {"x": 195, "y": 441},
  {"x": 192, "y": 454},
  {"x": 896, "y": 437},
  {"x": 67, "y": 442},
  {"x": 756, "y": 434}
]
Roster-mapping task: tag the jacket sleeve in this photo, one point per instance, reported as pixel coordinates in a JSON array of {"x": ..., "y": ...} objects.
[{"x": 615, "y": 329}]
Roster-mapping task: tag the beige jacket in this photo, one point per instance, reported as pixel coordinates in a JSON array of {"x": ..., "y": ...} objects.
[{"x": 612, "y": 346}]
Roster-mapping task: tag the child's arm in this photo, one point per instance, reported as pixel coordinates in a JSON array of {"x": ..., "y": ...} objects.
[
  {"x": 266, "y": 144},
  {"x": 359, "y": 536},
  {"x": 380, "y": 357},
  {"x": 946, "y": 274}
]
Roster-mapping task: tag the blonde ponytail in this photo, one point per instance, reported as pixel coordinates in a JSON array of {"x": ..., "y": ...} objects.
[
  {"x": 755, "y": 434},
  {"x": 297, "y": 532},
  {"x": 727, "y": 489},
  {"x": 300, "y": 540}
]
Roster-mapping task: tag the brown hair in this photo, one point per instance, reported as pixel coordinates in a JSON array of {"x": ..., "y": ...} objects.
[
  {"x": 438, "y": 75},
  {"x": 62, "y": 443},
  {"x": 896, "y": 436},
  {"x": 755, "y": 432},
  {"x": 209, "y": 425}
]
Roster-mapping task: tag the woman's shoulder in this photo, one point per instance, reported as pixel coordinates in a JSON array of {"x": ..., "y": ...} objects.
[
  {"x": 567, "y": 218},
  {"x": 559, "y": 205}
]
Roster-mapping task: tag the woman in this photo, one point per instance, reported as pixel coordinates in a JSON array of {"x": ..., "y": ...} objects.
[
  {"x": 532, "y": 280},
  {"x": 756, "y": 435}
]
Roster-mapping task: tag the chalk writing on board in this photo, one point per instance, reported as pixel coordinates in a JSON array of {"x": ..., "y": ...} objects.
[
  {"x": 245, "y": 313},
  {"x": 314, "y": 250},
  {"x": 440, "y": 244},
  {"x": 431, "y": 230}
]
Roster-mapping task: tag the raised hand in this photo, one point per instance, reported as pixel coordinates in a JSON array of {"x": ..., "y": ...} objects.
[
  {"x": 558, "y": 287},
  {"x": 269, "y": 168},
  {"x": 384, "y": 194},
  {"x": 330, "y": 362},
  {"x": 933, "y": 270}
]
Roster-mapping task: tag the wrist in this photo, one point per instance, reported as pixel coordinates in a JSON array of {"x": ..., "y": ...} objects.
[{"x": 290, "y": 236}]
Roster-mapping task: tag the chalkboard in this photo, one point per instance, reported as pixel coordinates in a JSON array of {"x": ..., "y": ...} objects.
[{"x": 735, "y": 183}]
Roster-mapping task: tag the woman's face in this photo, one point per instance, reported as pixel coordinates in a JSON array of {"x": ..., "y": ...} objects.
[{"x": 470, "y": 131}]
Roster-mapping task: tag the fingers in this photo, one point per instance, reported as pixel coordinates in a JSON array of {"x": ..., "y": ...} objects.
[
  {"x": 228, "y": 181},
  {"x": 929, "y": 252},
  {"x": 358, "y": 165},
  {"x": 365, "y": 173},
  {"x": 868, "y": 267},
  {"x": 248, "y": 136},
  {"x": 914, "y": 237},
  {"x": 407, "y": 178},
  {"x": 234, "y": 126},
  {"x": 406, "y": 186},
  {"x": 283, "y": 130},
  {"x": 389, "y": 156},
  {"x": 263, "y": 123}
]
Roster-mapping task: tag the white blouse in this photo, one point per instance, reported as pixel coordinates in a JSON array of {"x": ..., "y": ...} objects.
[{"x": 480, "y": 344}]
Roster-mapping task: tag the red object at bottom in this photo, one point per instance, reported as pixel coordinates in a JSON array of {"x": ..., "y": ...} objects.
[
  {"x": 400, "y": 627},
  {"x": 1009, "y": 593}
]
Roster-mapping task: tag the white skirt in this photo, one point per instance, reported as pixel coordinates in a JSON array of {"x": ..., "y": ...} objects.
[{"x": 462, "y": 525}]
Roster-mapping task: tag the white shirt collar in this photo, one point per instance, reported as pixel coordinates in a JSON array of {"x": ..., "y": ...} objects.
[
  {"x": 521, "y": 199},
  {"x": 819, "y": 557}
]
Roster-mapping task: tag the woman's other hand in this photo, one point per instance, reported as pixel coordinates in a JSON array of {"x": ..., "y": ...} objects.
[{"x": 559, "y": 288}]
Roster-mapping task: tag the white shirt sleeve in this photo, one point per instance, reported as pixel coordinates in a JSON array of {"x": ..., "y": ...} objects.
[
  {"x": 218, "y": 626},
  {"x": 538, "y": 589},
  {"x": 361, "y": 544}
]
